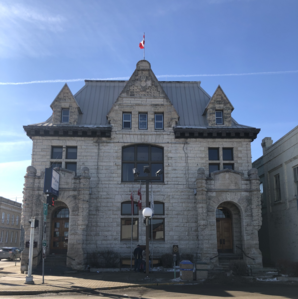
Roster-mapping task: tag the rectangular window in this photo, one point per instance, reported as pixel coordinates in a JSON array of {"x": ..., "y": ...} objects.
[
  {"x": 126, "y": 121},
  {"x": 6, "y": 239},
  {"x": 3, "y": 217},
  {"x": 12, "y": 219},
  {"x": 277, "y": 188},
  {"x": 158, "y": 228},
  {"x": 126, "y": 208},
  {"x": 159, "y": 208},
  {"x": 17, "y": 220},
  {"x": 126, "y": 229},
  {"x": 11, "y": 237},
  {"x": 71, "y": 152},
  {"x": 218, "y": 117},
  {"x": 7, "y": 219},
  {"x": 158, "y": 121},
  {"x": 261, "y": 188},
  {"x": 213, "y": 154},
  {"x": 16, "y": 238},
  {"x": 227, "y": 154},
  {"x": 228, "y": 166},
  {"x": 57, "y": 152},
  {"x": 213, "y": 167},
  {"x": 1, "y": 237},
  {"x": 71, "y": 166},
  {"x": 65, "y": 115},
  {"x": 143, "y": 121}
]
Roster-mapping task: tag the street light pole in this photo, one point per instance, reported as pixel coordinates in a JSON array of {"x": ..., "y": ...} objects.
[{"x": 147, "y": 179}]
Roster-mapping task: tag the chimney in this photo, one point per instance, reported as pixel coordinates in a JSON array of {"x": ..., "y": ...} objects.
[{"x": 266, "y": 143}]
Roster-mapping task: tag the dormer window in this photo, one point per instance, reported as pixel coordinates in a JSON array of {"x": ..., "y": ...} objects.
[
  {"x": 218, "y": 117},
  {"x": 65, "y": 116}
]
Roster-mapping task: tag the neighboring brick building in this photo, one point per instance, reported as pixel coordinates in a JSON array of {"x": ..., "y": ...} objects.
[
  {"x": 278, "y": 172},
  {"x": 207, "y": 200},
  {"x": 10, "y": 224}
]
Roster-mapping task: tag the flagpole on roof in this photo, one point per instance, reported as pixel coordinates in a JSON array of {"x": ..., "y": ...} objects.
[{"x": 144, "y": 45}]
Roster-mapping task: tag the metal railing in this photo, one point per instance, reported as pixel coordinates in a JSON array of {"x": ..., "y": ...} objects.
[{"x": 244, "y": 253}]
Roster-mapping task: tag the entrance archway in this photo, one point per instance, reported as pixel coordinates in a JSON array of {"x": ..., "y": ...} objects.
[
  {"x": 224, "y": 230},
  {"x": 59, "y": 231},
  {"x": 228, "y": 228}
]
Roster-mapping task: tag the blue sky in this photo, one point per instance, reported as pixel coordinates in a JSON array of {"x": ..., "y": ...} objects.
[{"x": 251, "y": 45}]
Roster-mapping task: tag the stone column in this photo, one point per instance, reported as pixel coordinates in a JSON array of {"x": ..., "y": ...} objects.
[
  {"x": 252, "y": 248},
  {"x": 77, "y": 251},
  {"x": 203, "y": 252}
]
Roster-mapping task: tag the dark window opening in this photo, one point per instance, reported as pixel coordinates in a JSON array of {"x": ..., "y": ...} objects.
[
  {"x": 223, "y": 213},
  {"x": 227, "y": 154},
  {"x": 213, "y": 154},
  {"x": 159, "y": 208},
  {"x": 158, "y": 121},
  {"x": 62, "y": 213},
  {"x": 219, "y": 117},
  {"x": 158, "y": 228},
  {"x": 126, "y": 208},
  {"x": 57, "y": 152},
  {"x": 71, "y": 152},
  {"x": 143, "y": 121},
  {"x": 65, "y": 116},
  {"x": 228, "y": 166},
  {"x": 126, "y": 226},
  {"x": 56, "y": 164},
  {"x": 213, "y": 167},
  {"x": 126, "y": 121},
  {"x": 71, "y": 166}
]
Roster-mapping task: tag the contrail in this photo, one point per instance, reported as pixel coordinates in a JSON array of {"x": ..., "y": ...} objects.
[{"x": 158, "y": 76}]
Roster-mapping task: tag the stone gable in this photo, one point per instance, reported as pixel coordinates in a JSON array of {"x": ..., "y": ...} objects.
[
  {"x": 219, "y": 101},
  {"x": 65, "y": 99}
]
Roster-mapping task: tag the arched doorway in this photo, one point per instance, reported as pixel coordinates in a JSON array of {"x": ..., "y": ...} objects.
[
  {"x": 224, "y": 230},
  {"x": 59, "y": 231}
]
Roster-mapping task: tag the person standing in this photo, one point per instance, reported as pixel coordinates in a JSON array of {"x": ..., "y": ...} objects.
[{"x": 138, "y": 257}]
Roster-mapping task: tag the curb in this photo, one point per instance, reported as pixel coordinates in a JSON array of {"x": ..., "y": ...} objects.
[{"x": 82, "y": 289}]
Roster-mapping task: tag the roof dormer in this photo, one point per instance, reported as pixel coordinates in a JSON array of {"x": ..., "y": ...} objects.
[
  {"x": 65, "y": 108},
  {"x": 219, "y": 110}
]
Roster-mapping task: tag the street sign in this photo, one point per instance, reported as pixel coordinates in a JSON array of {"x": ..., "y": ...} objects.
[
  {"x": 45, "y": 209},
  {"x": 44, "y": 243}
]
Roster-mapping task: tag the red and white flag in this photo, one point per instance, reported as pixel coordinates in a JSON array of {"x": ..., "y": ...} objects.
[
  {"x": 140, "y": 199},
  {"x": 132, "y": 202},
  {"x": 142, "y": 43}
]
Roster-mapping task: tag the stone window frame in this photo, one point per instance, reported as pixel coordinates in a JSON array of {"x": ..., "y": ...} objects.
[
  {"x": 3, "y": 217},
  {"x": 155, "y": 121},
  {"x": 65, "y": 115},
  {"x": 143, "y": 113},
  {"x": 135, "y": 161},
  {"x": 126, "y": 121},
  {"x": 61, "y": 162},
  {"x": 129, "y": 219},
  {"x": 221, "y": 162},
  {"x": 219, "y": 117},
  {"x": 277, "y": 189}
]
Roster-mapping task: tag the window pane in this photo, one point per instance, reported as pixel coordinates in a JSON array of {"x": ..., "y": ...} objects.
[
  {"x": 154, "y": 168},
  {"x": 140, "y": 168},
  {"x": 126, "y": 229},
  {"x": 129, "y": 153},
  {"x": 228, "y": 166},
  {"x": 143, "y": 121},
  {"x": 126, "y": 208},
  {"x": 71, "y": 153},
  {"x": 157, "y": 228},
  {"x": 158, "y": 208},
  {"x": 158, "y": 124},
  {"x": 127, "y": 175},
  {"x": 63, "y": 213},
  {"x": 213, "y": 167},
  {"x": 56, "y": 152},
  {"x": 126, "y": 125},
  {"x": 142, "y": 153},
  {"x": 126, "y": 120},
  {"x": 218, "y": 114},
  {"x": 71, "y": 166},
  {"x": 65, "y": 116},
  {"x": 227, "y": 154},
  {"x": 158, "y": 117},
  {"x": 127, "y": 116},
  {"x": 213, "y": 153},
  {"x": 156, "y": 154}
]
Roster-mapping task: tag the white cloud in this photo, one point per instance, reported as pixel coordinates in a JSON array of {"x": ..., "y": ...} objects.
[{"x": 12, "y": 179}]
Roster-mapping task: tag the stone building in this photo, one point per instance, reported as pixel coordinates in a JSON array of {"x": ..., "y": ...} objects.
[
  {"x": 207, "y": 200},
  {"x": 278, "y": 172},
  {"x": 10, "y": 225}
]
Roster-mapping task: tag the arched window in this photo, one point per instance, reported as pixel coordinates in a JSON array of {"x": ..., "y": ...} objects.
[
  {"x": 138, "y": 156},
  {"x": 62, "y": 213},
  {"x": 223, "y": 213},
  {"x": 126, "y": 208}
]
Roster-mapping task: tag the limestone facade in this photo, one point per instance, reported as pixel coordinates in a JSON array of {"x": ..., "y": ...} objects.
[
  {"x": 10, "y": 223},
  {"x": 278, "y": 172},
  {"x": 189, "y": 193}
]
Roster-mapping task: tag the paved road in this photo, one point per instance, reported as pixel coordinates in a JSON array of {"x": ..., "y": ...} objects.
[{"x": 262, "y": 291}]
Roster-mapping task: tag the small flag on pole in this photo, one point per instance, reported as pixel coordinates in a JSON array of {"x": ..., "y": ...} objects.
[
  {"x": 140, "y": 199},
  {"x": 142, "y": 43},
  {"x": 132, "y": 202}
]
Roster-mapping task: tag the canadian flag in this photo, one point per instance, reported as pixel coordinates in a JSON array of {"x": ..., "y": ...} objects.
[
  {"x": 140, "y": 199},
  {"x": 142, "y": 43},
  {"x": 132, "y": 202}
]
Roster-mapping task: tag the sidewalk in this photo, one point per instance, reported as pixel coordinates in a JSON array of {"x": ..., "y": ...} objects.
[{"x": 12, "y": 282}]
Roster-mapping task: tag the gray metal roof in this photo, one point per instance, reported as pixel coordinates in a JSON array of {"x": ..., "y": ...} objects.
[{"x": 96, "y": 99}]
